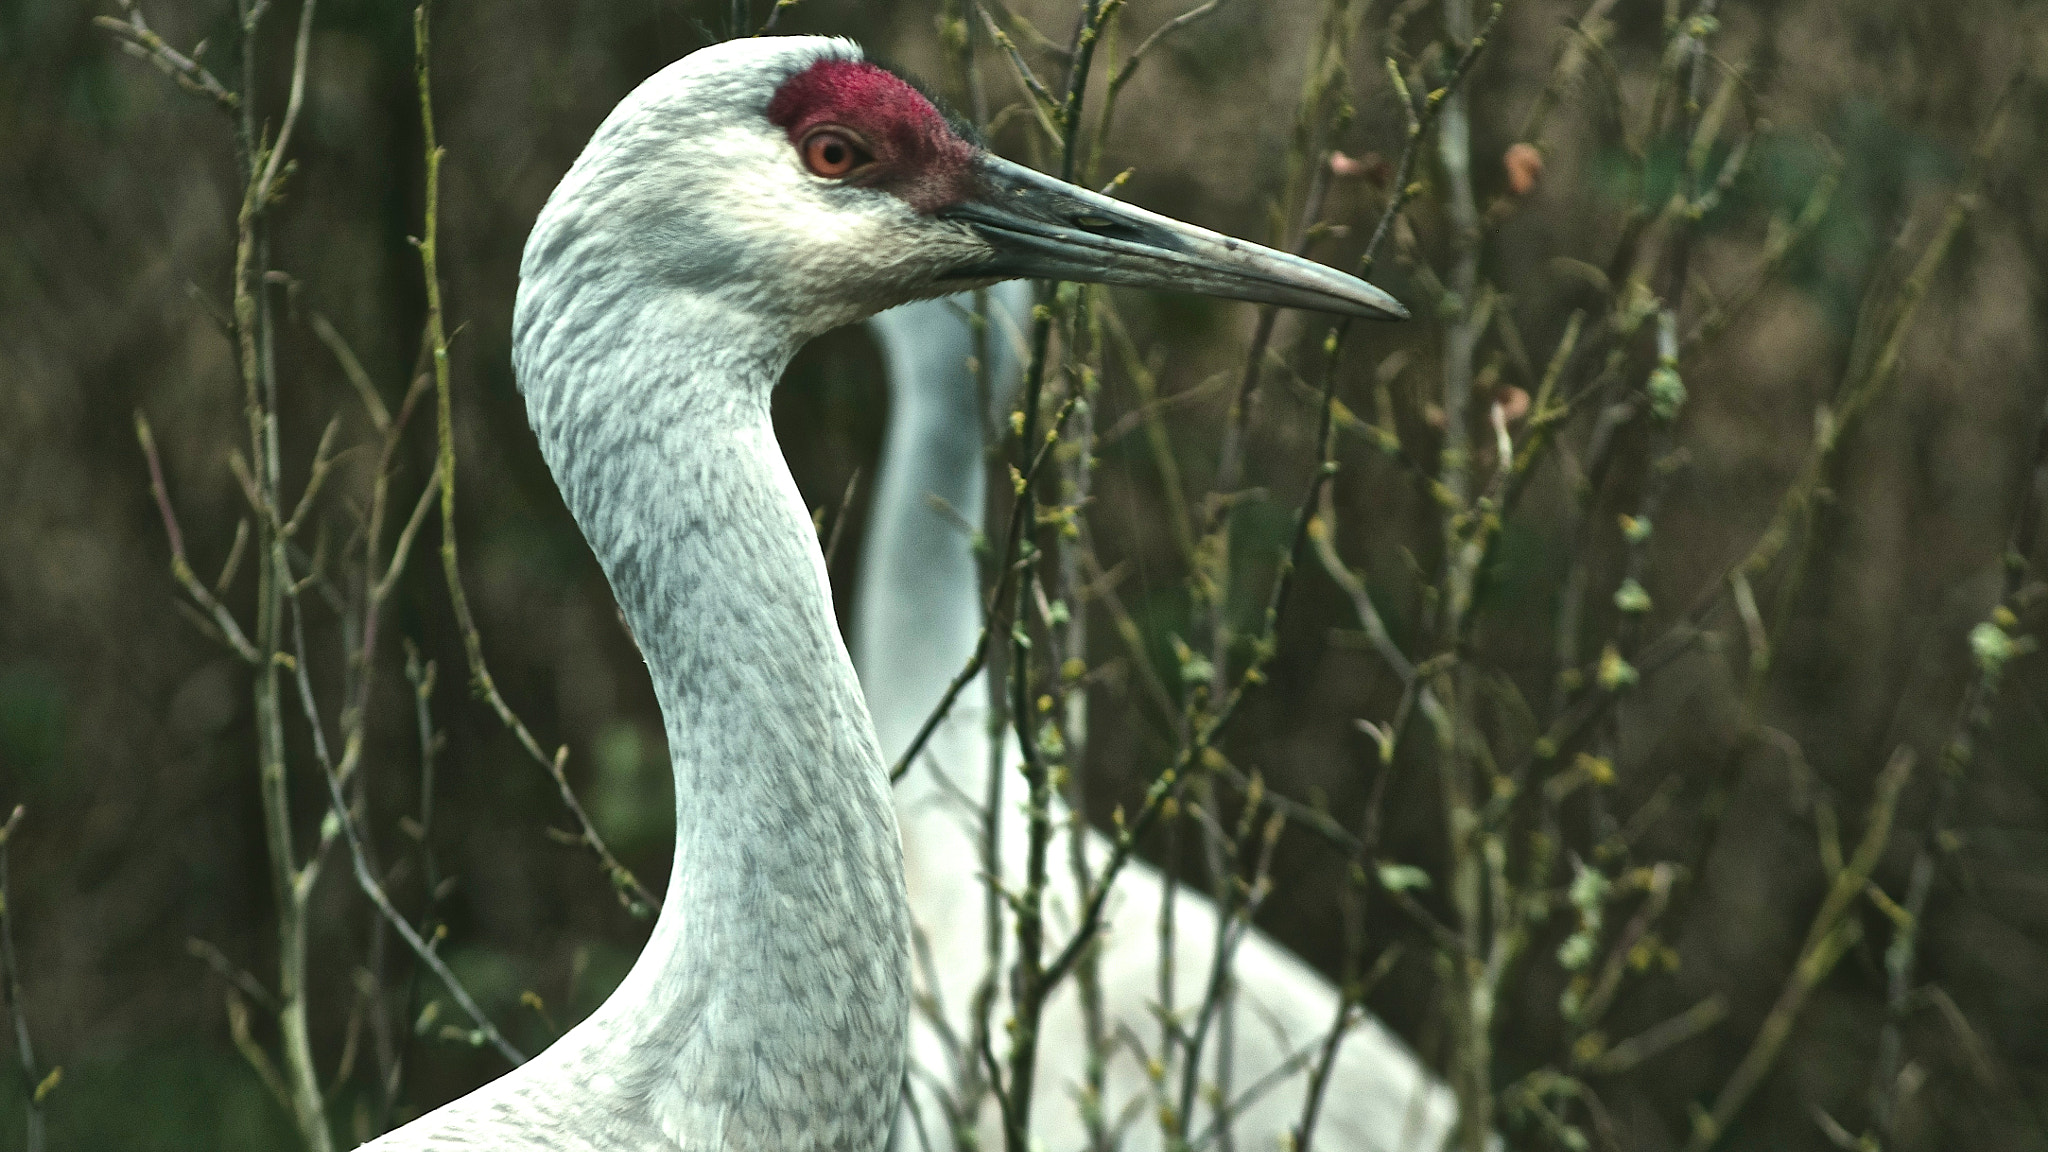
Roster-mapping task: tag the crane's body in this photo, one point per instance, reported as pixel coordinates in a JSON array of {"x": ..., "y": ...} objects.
[
  {"x": 737, "y": 203},
  {"x": 918, "y": 616}
]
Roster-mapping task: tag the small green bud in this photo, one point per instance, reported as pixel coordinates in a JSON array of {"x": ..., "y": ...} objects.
[
  {"x": 1050, "y": 741},
  {"x": 1615, "y": 672},
  {"x": 1993, "y": 646},
  {"x": 1667, "y": 392},
  {"x": 1402, "y": 877},
  {"x": 1576, "y": 952},
  {"x": 1588, "y": 892},
  {"x": 1631, "y": 597}
]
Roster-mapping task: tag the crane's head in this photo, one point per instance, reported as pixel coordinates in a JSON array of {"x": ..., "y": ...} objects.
[{"x": 795, "y": 181}]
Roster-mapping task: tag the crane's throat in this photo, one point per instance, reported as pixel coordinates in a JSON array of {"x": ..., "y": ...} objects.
[{"x": 769, "y": 1008}]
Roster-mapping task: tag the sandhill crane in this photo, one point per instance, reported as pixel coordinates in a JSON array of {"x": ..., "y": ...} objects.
[
  {"x": 737, "y": 203},
  {"x": 917, "y": 619}
]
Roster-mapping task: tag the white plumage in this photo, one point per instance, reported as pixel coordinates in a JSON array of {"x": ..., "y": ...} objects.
[{"x": 916, "y": 622}]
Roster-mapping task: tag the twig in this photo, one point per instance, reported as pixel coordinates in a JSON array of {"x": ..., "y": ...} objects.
[
  {"x": 1992, "y": 645},
  {"x": 1831, "y": 934},
  {"x": 255, "y": 336},
  {"x": 421, "y": 678},
  {"x": 774, "y": 14},
  {"x": 1229, "y": 1110},
  {"x": 1658, "y": 1038},
  {"x": 1030, "y": 980},
  {"x": 1418, "y": 123},
  {"x": 139, "y": 41},
  {"x": 259, "y": 1061},
  {"x": 266, "y": 184},
  {"x": 1012, "y": 536},
  {"x": 1233, "y": 923},
  {"x": 217, "y": 960},
  {"x": 1039, "y": 40},
  {"x": 1586, "y": 36},
  {"x": 1604, "y": 989},
  {"x": 633, "y": 895},
  {"x": 1326, "y": 76},
  {"x": 367, "y": 881},
  {"x": 840, "y": 517},
  {"x": 1083, "y": 341},
  {"x": 1316, "y": 124},
  {"x": 358, "y": 378},
  {"x": 181, "y": 568},
  {"x": 1122, "y": 74},
  {"x": 1043, "y": 101},
  {"x": 1664, "y": 390},
  {"x": 365, "y": 873},
  {"x": 1205, "y": 733},
  {"x": 1475, "y": 966},
  {"x": 1869, "y": 375},
  {"x": 38, "y": 1086}
]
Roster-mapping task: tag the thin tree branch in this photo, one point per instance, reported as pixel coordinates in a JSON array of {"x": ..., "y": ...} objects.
[
  {"x": 633, "y": 895},
  {"x": 37, "y": 1086}
]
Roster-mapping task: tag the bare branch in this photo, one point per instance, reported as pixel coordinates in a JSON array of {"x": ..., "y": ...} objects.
[
  {"x": 37, "y": 1085},
  {"x": 140, "y": 42}
]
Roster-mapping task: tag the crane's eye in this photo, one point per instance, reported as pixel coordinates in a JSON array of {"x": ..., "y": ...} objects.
[{"x": 833, "y": 152}]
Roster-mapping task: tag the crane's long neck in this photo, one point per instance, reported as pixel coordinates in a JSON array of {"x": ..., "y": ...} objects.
[
  {"x": 919, "y": 612},
  {"x": 769, "y": 1008}
]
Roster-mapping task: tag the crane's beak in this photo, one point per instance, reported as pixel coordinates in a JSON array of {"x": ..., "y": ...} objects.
[{"x": 1048, "y": 229}]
